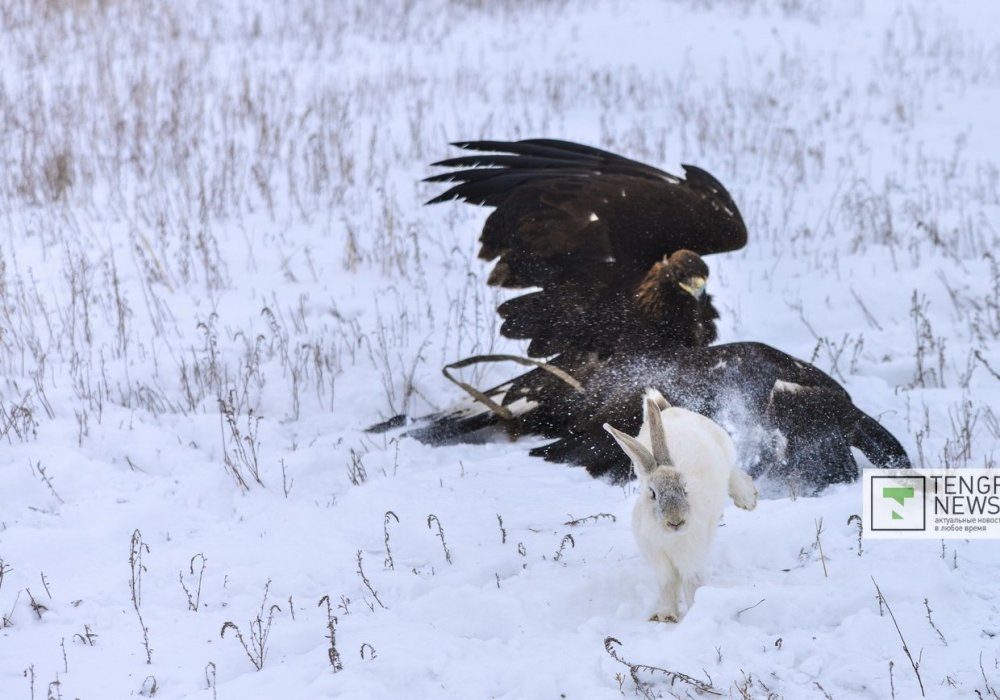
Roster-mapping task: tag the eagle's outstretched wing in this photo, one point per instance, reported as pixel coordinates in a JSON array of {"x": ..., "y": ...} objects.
[
  {"x": 595, "y": 232},
  {"x": 789, "y": 419}
]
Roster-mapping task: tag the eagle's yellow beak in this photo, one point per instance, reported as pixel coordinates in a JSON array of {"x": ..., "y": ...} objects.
[{"x": 695, "y": 286}]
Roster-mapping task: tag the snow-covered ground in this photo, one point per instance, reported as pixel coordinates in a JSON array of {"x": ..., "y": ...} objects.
[{"x": 215, "y": 270}]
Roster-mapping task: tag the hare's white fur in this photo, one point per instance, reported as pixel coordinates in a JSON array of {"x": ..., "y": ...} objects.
[{"x": 686, "y": 467}]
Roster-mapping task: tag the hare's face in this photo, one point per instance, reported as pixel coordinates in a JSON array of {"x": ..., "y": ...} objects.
[{"x": 666, "y": 489}]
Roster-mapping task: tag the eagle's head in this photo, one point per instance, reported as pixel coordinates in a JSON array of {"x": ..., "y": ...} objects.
[
  {"x": 688, "y": 271},
  {"x": 672, "y": 298}
]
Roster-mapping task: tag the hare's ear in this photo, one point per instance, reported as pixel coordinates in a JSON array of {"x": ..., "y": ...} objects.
[
  {"x": 658, "y": 398},
  {"x": 636, "y": 451},
  {"x": 657, "y": 438}
]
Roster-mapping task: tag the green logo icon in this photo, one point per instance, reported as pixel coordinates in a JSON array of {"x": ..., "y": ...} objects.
[
  {"x": 895, "y": 502},
  {"x": 899, "y": 494}
]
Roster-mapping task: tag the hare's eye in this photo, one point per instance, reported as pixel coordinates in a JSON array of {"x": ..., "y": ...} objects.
[{"x": 652, "y": 494}]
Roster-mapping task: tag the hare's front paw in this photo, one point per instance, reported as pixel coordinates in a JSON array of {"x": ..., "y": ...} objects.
[
  {"x": 664, "y": 617},
  {"x": 742, "y": 489}
]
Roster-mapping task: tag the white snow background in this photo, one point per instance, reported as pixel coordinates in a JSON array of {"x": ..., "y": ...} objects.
[{"x": 215, "y": 265}]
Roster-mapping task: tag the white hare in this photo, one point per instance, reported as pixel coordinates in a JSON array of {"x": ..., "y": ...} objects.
[{"x": 686, "y": 467}]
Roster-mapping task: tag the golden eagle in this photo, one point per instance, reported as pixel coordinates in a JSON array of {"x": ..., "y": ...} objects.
[
  {"x": 615, "y": 247},
  {"x": 613, "y": 244}
]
